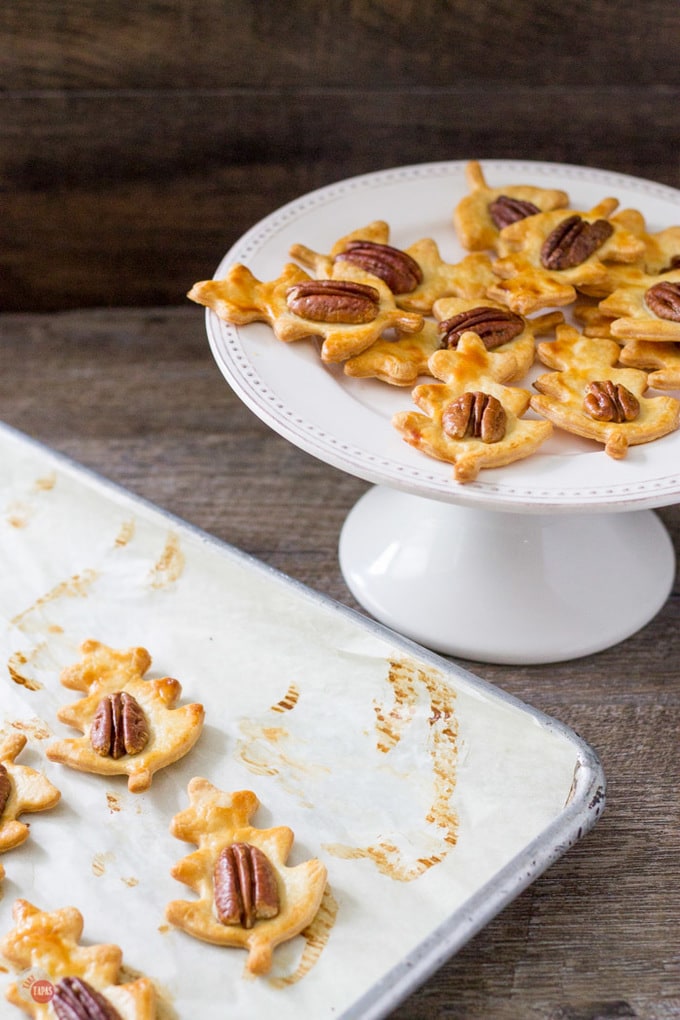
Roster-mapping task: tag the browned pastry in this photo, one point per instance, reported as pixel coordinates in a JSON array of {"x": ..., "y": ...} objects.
[
  {"x": 130, "y": 725},
  {"x": 471, "y": 420},
  {"x": 660, "y": 255},
  {"x": 662, "y": 248},
  {"x": 347, "y": 314},
  {"x": 397, "y": 361},
  {"x": 401, "y": 361},
  {"x": 484, "y": 211},
  {"x": 592, "y": 320},
  {"x": 661, "y": 362},
  {"x": 647, "y": 308},
  {"x": 546, "y": 257},
  {"x": 590, "y": 397},
  {"x": 248, "y": 896},
  {"x": 500, "y": 329},
  {"x": 416, "y": 275},
  {"x": 61, "y": 978},
  {"x": 22, "y": 790}
]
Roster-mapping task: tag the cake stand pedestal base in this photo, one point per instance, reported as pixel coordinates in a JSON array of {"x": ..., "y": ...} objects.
[{"x": 501, "y": 587}]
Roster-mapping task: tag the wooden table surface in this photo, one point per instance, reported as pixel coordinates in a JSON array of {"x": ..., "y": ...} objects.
[{"x": 135, "y": 395}]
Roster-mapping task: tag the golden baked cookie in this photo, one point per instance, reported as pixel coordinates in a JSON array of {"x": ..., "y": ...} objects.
[
  {"x": 661, "y": 362},
  {"x": 617, "y": 276},
  {"x": 660, "y": 255},
  {"x": 471, "y": 420},
  {"x": 130, "y": 725},
  {"x": 647, "y": 308},
  {"x": 589, "y": 397},
  {"x": 346, "y": 314},
  {"x": 591, "y": 320},
  {"x": 416, "y": 275},
  {"x": 481, "y": 214},
  {"x": 499, "y": 328},
  {"x": 399, "y": 361},
  {"x": 546, "y": 257},
  {"x": 662, "y": 248},
  {"x": 60, "y": 978},
  {"x": 22, "y": 790},
  {"x": 248, "y": 896}
]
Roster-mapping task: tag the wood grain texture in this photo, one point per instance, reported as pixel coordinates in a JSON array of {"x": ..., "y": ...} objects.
[
  {"x": 138, "y": 142},
  {"x": 135, "y": 395},
  {"x": 213, "y": 44}
]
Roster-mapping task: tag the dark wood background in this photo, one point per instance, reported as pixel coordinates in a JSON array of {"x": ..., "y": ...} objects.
[{"x": 138, "y": 141}]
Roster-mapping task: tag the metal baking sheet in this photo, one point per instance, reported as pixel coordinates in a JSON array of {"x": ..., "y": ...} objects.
[{"x": 432, "y": 798}]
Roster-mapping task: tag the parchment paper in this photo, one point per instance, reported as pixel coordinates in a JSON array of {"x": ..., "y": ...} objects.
[{"x": 411, "y": 782}]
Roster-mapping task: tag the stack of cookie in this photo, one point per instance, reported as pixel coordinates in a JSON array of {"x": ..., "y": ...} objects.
[{"x": 398, "y": 314}]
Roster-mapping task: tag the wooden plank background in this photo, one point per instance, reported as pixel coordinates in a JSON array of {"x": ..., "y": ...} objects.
[{"x": 139, "y": 141}]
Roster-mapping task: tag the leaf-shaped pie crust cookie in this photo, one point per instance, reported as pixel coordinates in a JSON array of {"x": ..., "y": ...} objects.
[
  {"x": 398, "y": 361},
  {"x": 632, "y": 313},
  {"x": 471, "y": 368},
  {"x": 468, "y": 278},
  {"x": 472, "y": 216},
  {"x": 527, "y": 284},
  {"x": 23, "y": 790},
  {"x": 522, "y": 345},
  {"x": 215, "y": 820},
  {"x": 47, "y": 943},
  {"x": 661, "y": 362},
  {"x": 103, "y": 671},
  {"x": 662, "y": 247},
  {"x": 240, "y": 298},
  {"x": 581, "y": 360}
]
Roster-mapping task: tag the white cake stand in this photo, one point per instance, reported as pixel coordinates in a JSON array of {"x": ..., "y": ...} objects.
[{"x": 548, "y": 559}]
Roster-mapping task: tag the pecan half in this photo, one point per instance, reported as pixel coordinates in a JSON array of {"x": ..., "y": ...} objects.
[
  {"x": 397, "y": 268},
  {"x": 334, "y": 301},
  {"x": 494, "y": 326},
  {"x": 609, "y": 401},
  {"x": 664, "y": 300},
  {"x": 5, "y": 787},
  {"x": 506, "y": 210},
  {"x": 573, "y": 241},
  {"x": 119, "y": 726},
  {"x": 245, "y": 886},
  {"x": 75, "y": 999},
  {"x": 478, "y": 415}
]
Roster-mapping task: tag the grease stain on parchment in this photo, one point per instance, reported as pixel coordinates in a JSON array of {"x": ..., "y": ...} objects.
[
  {"x": 288, "y": 701},
  {"x": 34, "y": 729},
  {"x": 388, "y": 859},
  {"x": 113, "y": 803},
  {"x": 46, "y": 483},
  {"x": 264, "y": 751},
  {"x": 125, "y": 534},
  {"x": 77, "y": 586},
  {"x": 19, "y": 512},
  {"x": 24, "y": 666},
  {"x": 418, "y": 716},
  {"x": 443, "y": 742},
  {"x": 169, "y": 566},
  {"x": 316, "y": 936},
  {"x": 16, "y": 667},
  {"x": 101, "y": 861}
]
